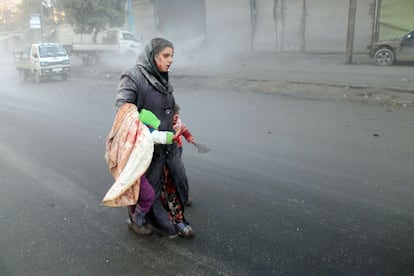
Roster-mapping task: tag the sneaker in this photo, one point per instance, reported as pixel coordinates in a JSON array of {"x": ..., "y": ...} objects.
[
  {"x": 137, "y": 222},
  {"x": 184, "y": 230},
  {"x": 143, "y": 230},
  {"x": 189, "y": 201}
]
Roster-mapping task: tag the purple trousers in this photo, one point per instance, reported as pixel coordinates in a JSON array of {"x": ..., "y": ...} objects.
[{"x": 146, "y": 196}]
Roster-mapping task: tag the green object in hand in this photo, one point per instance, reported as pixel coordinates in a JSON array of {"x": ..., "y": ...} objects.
[{"x": 149, "y": 119}]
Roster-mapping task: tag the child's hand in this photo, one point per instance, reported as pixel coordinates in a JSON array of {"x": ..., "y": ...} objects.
[
  {"x": 177, "y": 130},
  {"x": 176, "y": 134}
]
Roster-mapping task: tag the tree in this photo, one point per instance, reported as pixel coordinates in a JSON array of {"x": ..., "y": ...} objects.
[
  {"x": 25, "y": 9},
  {"x": 93, "y": 16},
  {"x": 28, "y": 7}
]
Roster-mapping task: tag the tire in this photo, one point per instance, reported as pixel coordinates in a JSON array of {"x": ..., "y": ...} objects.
[
  {"x": 37, "y": 77},
  {"x": 23, "y": 74},
  {"x": 129, "y": 54},
  {"x": 85, "y": 60},
  {"x": 384, "y": 57},
  {"x": 89, "y": 59},
  {"x": 64, "y": 77}
]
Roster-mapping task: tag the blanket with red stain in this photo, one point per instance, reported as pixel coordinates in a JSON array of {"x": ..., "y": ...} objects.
[{"x": 129, "y": 149}]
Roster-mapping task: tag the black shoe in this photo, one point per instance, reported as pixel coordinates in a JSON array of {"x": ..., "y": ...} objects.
[{"x": 189, "y": 201}]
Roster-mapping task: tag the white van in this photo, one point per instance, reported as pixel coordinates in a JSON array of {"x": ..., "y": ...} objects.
[{"x": 42, "y": 60}]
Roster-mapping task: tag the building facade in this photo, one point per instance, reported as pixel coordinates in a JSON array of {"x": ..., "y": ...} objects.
[{"x": 272, "y": 25}]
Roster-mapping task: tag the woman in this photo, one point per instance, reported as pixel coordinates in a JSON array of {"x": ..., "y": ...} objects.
[{"x": 147, "y": 86}]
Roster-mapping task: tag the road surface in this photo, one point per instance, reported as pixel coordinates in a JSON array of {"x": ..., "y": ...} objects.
[{"x": 291, "y": 186}]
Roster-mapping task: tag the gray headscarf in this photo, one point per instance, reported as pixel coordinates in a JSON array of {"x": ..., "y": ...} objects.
[{"x": 146, "y": 64}]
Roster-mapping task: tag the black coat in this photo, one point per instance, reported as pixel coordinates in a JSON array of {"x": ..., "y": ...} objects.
[{"x": 135, "y": 88}]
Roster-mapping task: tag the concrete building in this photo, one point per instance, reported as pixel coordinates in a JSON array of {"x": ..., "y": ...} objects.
[{"x": 267, "y": 25}]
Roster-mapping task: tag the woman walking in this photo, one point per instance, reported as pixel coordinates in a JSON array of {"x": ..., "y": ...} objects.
[{"x": 147, "y": 86}]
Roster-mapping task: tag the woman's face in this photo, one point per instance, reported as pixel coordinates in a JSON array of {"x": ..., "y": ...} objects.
[{"x": 164, "y": 59}]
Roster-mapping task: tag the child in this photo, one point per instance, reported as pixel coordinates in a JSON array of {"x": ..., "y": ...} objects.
[
  {"x": 146, "y": 197},
  {"x": 181, "y": 130}
]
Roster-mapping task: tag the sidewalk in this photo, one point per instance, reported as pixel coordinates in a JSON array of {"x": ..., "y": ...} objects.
[
  {"x": 301, "y": 68},
  {"x": 269, "y": 72}
]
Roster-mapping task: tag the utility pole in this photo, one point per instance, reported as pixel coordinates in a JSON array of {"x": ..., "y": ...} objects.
[
  {"x": 41, "y": 20},
  {"x": 303, "y": 28},
  {"x": 130, "y": 17},
  {"x": 375, "y": 23},
  {"x": 253, "y": 22},
  {"x": 351, "y": 31},
  {"x": 278, "y": 19},
  {"x": 205, "y": 24}
]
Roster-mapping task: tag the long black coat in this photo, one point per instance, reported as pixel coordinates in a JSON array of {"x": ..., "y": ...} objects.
[{"x": 135, "y": 87}]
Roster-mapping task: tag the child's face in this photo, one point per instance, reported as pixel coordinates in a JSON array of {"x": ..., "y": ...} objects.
[{"x": 175, "y": 118}]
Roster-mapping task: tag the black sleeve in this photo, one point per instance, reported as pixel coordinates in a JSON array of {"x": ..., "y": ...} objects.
[{"x": 127, "y": 91}]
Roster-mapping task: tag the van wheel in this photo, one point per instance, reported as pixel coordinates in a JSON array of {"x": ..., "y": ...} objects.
[
  {"x": 85, "y": 60},
  {"x": 23, "y": 74},
  {"x": 129, "y": 54},
  {"x": 384, "y": 57},
  {"x": 64, "y": 77},
  {"x": 37, "y": 77}
]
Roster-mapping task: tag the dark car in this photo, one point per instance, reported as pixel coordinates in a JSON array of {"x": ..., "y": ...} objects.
[{"x": 386, "y": 52}]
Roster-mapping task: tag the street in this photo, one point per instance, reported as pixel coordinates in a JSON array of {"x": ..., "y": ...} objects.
[{"x": 291, "y": 186}]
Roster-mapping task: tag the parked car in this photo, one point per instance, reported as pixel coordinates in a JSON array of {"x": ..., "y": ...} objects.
[{"x": 387, "y": 52}]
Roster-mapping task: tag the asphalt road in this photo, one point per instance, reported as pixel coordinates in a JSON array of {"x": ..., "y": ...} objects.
[{"x": 291, "y": 186}]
